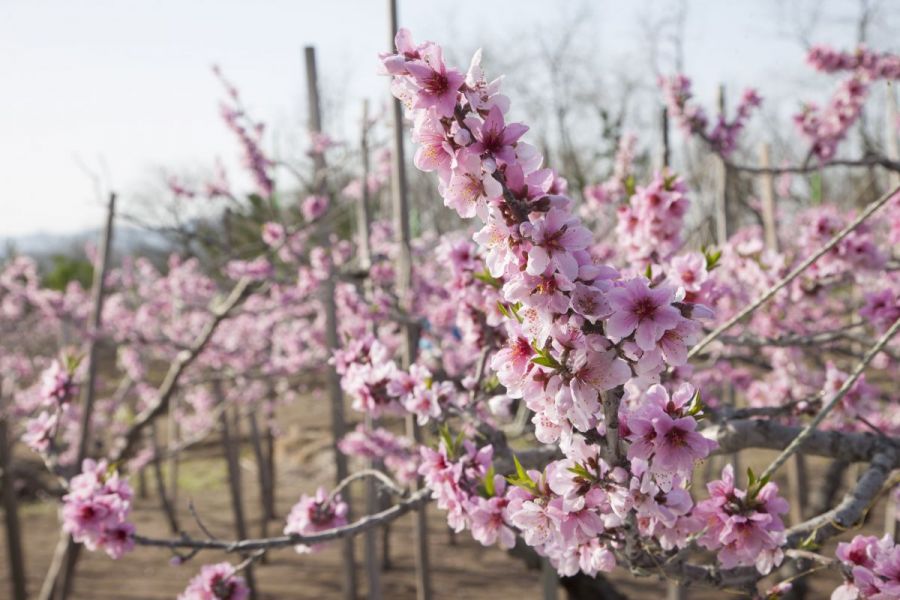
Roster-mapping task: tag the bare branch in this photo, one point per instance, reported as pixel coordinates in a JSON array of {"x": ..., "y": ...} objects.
[
  {"x": 364, "y": 524},
  {"x": 177, "y": 368}
]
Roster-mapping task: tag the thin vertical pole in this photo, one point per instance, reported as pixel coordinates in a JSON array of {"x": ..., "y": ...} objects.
[
  {"x": 664, "y": 126},
  {"x": 892, "y": 145},
  {"x": 262, "y": 475},
  {"x": 98, "y": 293},
  {"x": 549, "y": 581},
  {"x": 338, "y": 427},
  {"x": 14, "y": 550},
  {"x": 173, "y": 458},
  {"x": 363, "y": 227},
  {"x": 161, "y": 482},
  {"x": 400, "y": 203},
  {"x": 767, "y": 181},
  {"x": 722, "y": 217},
  {"x": 231, "y": 446}
]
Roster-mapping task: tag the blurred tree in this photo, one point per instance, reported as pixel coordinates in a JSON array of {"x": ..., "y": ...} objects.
[{"x": 64, "y": 269}]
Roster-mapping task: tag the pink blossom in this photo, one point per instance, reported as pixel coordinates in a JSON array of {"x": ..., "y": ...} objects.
[
  {"x": 314, "y": 514},
  {"x": 438, "y": 85},
  {"x": 216, "y": 582},
  {"x": 647, "y": 312},
  {"x": 554, "y": 239},
  {"x": 314, "y": 207},
  {"x": 494, "y": 139},
  {"x": 743, "y": 530},
  {"x": 96, "y": 509},
  {"x": 469, "y": 188}
]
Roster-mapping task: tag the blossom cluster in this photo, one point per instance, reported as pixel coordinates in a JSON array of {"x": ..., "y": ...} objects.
[
  {"x": 58, "y": 413},
  {"x": 827, "y": 126},
  {"x": 874, "y": 65},
  {"x": 576, "y": 331},
  {"x": 871, "y": 568},
  {"x": 249, "y": 135},
  {"x": 693, "y": 120},
  {"x": 96, "y": 508},
  {"x": 745, "y": 527},
  {"x": 314, "y": 514},
  {"x": 649, "y": 224},
  {"x": 216, "y": 582}
]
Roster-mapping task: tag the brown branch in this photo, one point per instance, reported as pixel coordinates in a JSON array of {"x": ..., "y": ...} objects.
[
  {"x": 850, "y": 447},
  {"x": 176, "y": 369},
  {"x": 852, "y": 508},
  {"x": 364, "y": 524}
]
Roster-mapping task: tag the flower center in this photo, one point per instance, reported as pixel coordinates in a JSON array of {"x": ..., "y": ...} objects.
[{"x": 644, "y": 308}]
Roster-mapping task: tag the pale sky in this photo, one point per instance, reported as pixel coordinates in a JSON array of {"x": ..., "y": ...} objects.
[{"x": 123, "y": 87}]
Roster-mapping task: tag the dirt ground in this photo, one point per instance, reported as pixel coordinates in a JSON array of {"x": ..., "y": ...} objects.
[{"x": 461, "y": 567}]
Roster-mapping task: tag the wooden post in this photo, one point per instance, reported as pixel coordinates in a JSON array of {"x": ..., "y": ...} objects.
[
  {"x": 161, "y": 483},
  {"x": 231, "y": 447},
  {"x": 723, "y": 226},
  {"x": 767, "y": 197},
  {"x": 173, "y": 458},
  {"x": 664, "y": 127},
  {"x": 262, "y": 476},
  {"x": 338, "y": 428},
  {"x": 400, "y": 204},
  {"x": 14, "y": 551},
  {"x": 363, "y": 227},
  {"x": 98, "y": 292},
  {"x": 796, "y": 468},
  {"x": 892, "y": 145},
  {"x": 270, "y": 458},
  {"x": 549, "y": 581}
]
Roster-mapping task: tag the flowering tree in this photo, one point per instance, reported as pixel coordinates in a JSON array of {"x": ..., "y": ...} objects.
[{"x": 534, "y": 335}]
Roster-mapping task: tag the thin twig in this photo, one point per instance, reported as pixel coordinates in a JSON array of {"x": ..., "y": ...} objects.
[
  {"x": 827, "y": 408},
  {"x": 249, "y": 545},
  {"x": 868, "y": 212}
]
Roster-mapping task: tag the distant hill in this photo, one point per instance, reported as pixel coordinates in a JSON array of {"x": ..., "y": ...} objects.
[{"x": 127, "y": 240}]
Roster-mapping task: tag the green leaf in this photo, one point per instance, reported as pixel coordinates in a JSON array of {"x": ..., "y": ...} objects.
[
  {"x": 546, "y": 361},
  {"x": 515, "y": 311},
  {"x": 503, "y": 310},
  {"x": 810, "y": 543},
  {"x": 669, "y": 181},
  {"x": 712, "y": 258},
  {"x": 444, "y": 432},
  {"x": 696, "y": 405},
  {"x": 815, "y": 188},
  {"x": 751, "y": 478},
  {"x": 489, "y": 487},
  {"x": 648, "y": 272},
  {"x": 630, "y": 186},
  {"x": 522, "y": 479},
  {"x": 581, "y": 471},
  {"x": 520, "y": 470},
  {"x": 489, "y": 279}
]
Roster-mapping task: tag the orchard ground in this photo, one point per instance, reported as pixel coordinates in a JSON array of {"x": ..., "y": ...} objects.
[{"x": 461, "y": 568}]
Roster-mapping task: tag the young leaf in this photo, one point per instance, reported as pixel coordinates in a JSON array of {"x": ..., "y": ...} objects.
[
  {"x": 696, "y": 405},
  {"x": 630, "y": 186},
  {"x": 546, "y": 361},
  {"x": 489, "y": 279},
  {"x": 489, "y": 487}
]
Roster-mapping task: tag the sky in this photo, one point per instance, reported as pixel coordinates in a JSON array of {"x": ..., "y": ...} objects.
[{"x": 115, "y": 91}]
